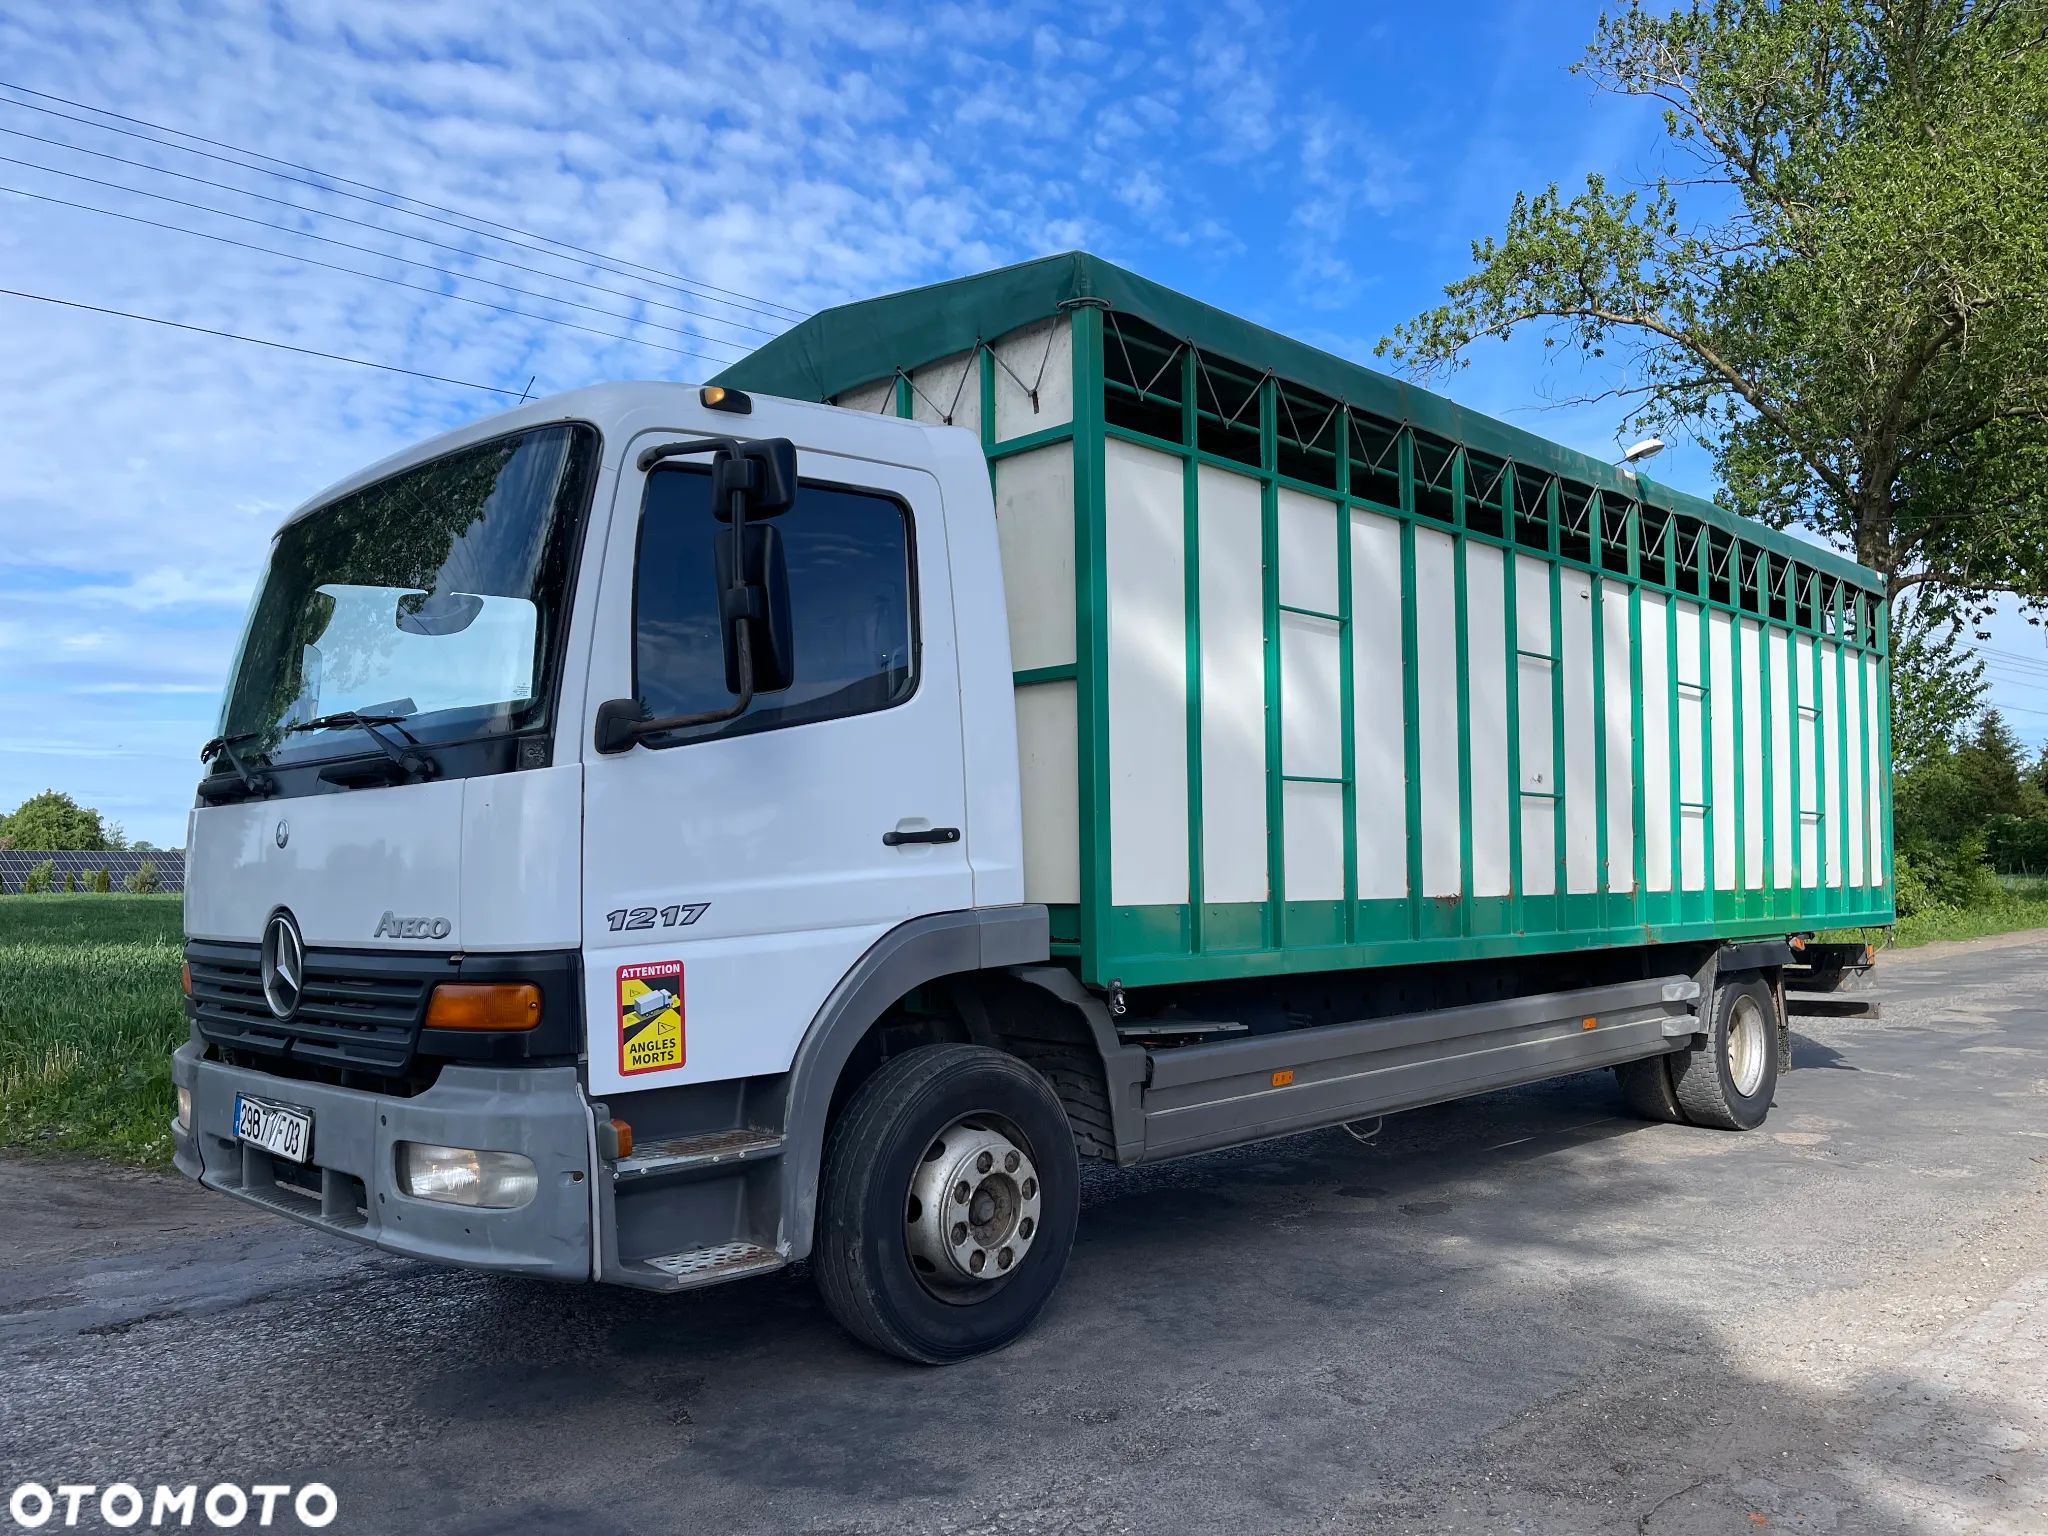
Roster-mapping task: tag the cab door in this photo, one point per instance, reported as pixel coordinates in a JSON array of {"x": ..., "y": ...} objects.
[{"x": 734, "y": 872}]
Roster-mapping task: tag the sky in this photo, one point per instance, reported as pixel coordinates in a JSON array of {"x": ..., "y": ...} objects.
[{"x": 1319, "y": 168}]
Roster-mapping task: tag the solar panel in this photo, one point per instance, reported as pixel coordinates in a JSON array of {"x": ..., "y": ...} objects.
[{"x": 17, "y": 863}]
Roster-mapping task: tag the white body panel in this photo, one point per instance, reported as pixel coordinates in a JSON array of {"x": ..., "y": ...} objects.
[
  {"x": 1436, "y": 667},
  {"x": 1148, "y": 735},
  {"x": 1233, "y": 689},
  {"x": 1486, "y": 668},
  {"x": 1581, "y": 803},
  {"x": 1379, "y": 705},
  {"x": 1619, "y": 731}
]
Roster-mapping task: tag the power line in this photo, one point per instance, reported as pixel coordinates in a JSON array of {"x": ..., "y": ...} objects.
[
  {"x": 379, "y": 277},
  {"x": 319, "y": 213},
  {"x": 258, "y": 341},
  {"x": 695, "y": 284},
  {"x": 370, "y": 250}
]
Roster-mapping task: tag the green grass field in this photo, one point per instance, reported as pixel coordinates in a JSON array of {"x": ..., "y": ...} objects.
[{"x": 90, "y": 1010}]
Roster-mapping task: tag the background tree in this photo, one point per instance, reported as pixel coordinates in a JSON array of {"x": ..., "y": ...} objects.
[
  {"x": 1841, "y": 289},
  {"x": 1991, "y": 770},
  {"x": 54, "y": 821},
  {"x": 1937, "y": 686}
]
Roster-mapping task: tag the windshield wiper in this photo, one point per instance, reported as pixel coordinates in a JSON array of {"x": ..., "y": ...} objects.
[
  {"x": 409, "y": 759},
  {"x": 254, "y": 784}
]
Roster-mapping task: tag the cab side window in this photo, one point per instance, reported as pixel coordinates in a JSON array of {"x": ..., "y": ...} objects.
[{"x": 852, "y": 602}]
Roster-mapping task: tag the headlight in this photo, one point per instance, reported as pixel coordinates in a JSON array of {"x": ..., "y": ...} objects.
[
  {"x": 461, "y": 1176},
  {"x": 184, "y": 1108}
]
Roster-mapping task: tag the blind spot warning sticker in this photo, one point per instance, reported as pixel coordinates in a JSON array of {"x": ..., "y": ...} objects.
[{"x": 650, "y": 1016}]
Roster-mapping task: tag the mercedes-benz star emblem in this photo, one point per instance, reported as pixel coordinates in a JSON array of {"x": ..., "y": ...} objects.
[
  {"x": 284, "y": 833},
  {"x": 284, "y": 964}
]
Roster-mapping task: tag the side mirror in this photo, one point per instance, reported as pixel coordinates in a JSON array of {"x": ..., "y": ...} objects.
[
  {"x": 763, "y": 469},
  {"x": 759, "y": 475},
  {"x": 760, "y": 605}
]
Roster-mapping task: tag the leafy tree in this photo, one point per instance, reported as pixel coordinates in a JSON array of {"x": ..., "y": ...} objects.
[
  {"x": 1937, "y": 685},
  {"x": 100, "y": 880},
  {"x": 38, "y": 879},
  {"x": 54, "y": 821},
  {"x": 1842, "y": 289},
  {"x": 142, "y": 879}
]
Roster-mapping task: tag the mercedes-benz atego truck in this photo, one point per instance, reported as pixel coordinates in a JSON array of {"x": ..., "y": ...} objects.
[{"x": 661, "y": 833}]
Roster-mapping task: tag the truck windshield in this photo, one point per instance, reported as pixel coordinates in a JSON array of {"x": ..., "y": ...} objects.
[{"x": 435, "y": 597}]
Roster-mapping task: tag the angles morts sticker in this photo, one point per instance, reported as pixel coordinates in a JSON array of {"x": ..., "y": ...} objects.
[{"x": 650, "y": 1016}]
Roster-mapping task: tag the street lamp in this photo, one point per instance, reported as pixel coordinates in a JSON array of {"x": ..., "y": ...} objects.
[{"x": 1648, "y": 448}]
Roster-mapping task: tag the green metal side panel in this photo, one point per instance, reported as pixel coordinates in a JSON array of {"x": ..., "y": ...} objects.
[{"x": 1203, "y": 939}]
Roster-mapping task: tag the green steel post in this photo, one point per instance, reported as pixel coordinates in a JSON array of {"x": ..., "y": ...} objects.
[
  {"x": 1269, "y": 547},
  {"x": 1553, "y": 513},
  {"x": 1884, "y": 739},
  {"x": 1703, "y": 558},
  {"x": 1462, "y": 647},
  {"x": 1346, "y": 683},
  {"x": 1769, "y": 745},
  {"x": 1596, "y": 513},
  {"x": 1191, "y": 539},
  {"x": 1675, "y": 753},
  {"x": 985, "y": 388},
  {"x": 1411, "y": 745},
  {"x": 1639, "y": 819},
  {"x": 1511, "y": 629},
  {"x": 1841, "y": 891},
  {"x": 1092, "y": 640}
]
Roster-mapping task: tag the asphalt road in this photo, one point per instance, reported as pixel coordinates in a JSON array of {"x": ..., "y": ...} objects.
[{"x": 1523, "y": 1313}]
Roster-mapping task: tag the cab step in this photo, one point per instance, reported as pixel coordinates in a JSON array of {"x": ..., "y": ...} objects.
[
  {"x": 684, "y": 1157},
  {"x": 710, "y": 1266}
]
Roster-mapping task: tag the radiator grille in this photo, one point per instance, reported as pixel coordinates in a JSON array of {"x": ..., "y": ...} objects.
[{"x": 351, "y": 1015}]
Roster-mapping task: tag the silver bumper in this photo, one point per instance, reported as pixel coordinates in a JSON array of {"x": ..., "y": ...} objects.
[{"x": 351, "y": 1184}]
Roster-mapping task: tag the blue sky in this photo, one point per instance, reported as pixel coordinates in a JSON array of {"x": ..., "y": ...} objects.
[{"x": 1319, "y": 168}]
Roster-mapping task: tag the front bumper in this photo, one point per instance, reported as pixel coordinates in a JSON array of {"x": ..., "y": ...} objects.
[{"x": 351, "y": 1184}]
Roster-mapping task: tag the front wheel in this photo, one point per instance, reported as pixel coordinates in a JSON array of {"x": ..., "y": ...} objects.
[{"x": 950, "y": 1193}]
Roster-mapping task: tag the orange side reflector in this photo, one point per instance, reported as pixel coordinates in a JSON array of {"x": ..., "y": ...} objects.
[
  {"x": 625, "y": 1134},
  {"x": 1282, "y": 1079},
  {"x": 484, "y": 1005},
  {"x": 1589, "y": 1023},
  {"x": 185, "y": 977}
]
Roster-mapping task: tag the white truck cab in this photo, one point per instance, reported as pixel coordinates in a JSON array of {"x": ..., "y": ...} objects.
[{"x": 469, "y": 987}]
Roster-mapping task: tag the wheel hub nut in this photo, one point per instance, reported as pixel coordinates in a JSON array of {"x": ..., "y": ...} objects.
[{"x": 974, "y": 1205}]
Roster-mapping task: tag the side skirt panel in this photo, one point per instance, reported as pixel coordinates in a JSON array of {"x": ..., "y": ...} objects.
[{"x": 1249, "y": 1089}]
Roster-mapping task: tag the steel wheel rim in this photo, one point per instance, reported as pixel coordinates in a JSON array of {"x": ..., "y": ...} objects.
[
  {"x": 1748, "y": 1046},
  {"x": 973, "y": 1209}
]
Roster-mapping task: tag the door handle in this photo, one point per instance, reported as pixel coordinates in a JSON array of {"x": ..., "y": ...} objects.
[{"x": 896, "y": 837}]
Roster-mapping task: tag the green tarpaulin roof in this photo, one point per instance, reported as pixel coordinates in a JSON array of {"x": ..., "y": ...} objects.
[{"x": 854, "y": 344}]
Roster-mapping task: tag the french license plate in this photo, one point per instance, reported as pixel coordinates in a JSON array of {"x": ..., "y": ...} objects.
[{"x": 276, "y": 1128}]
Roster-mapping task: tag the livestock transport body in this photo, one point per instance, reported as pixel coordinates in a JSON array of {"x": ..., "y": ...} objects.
[{"x": 658, "y": 834}]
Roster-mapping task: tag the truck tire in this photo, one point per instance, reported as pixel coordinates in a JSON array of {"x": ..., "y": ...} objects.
[
  {"x": 947, "y": 1209},
  {"x": 1647, "y": 1087},
  {"x": 1728, "y": 1082}
]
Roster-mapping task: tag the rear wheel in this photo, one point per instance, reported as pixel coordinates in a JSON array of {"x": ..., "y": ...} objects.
[
  {"x": 1729, "y": 1081},
  {"x": 951, "y": 1188}
]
